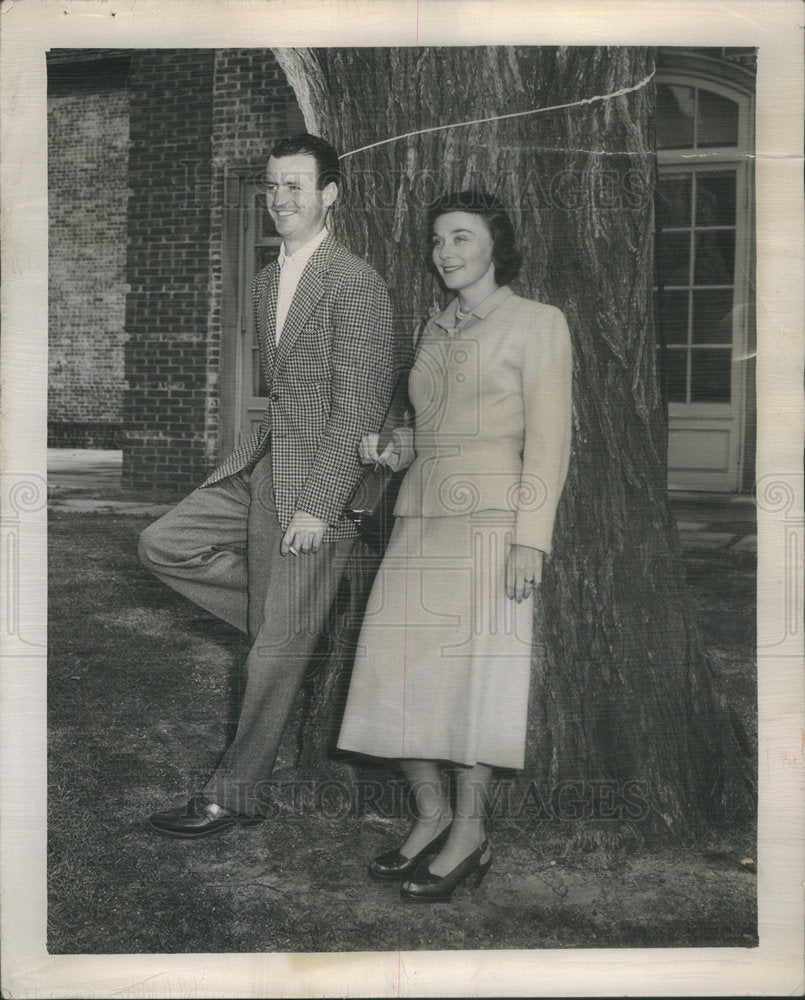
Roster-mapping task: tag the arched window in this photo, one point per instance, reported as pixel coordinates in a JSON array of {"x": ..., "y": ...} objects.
[{"x": 705, "y": 261}]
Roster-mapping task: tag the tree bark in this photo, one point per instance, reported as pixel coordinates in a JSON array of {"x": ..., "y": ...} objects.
[{"x": 621, "y": 688}]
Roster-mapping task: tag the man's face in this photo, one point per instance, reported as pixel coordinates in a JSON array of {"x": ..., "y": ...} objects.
[{"x": 297, "y": 206}]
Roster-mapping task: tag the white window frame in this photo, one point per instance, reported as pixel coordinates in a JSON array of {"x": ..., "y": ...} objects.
[{"x": 707, "y": 74}]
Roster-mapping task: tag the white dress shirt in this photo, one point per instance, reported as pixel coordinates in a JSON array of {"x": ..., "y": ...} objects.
[{"x": 291, "y": 268}]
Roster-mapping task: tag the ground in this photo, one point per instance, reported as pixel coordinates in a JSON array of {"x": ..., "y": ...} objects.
[{"x": 142, "y": 699}]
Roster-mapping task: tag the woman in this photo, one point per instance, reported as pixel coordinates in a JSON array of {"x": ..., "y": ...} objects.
[{"x": 443, "y": 665}]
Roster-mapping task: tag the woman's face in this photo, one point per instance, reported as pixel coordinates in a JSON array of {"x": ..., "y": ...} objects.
[{"x": 462, "y": 250}]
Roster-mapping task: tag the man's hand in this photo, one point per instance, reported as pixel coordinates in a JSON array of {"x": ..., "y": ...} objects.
[
  {"x": 304, "y": 534},
  {"x": 523, "y": 571}
]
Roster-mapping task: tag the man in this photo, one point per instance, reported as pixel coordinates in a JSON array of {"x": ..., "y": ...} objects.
[{"x": 263, "y": 542}]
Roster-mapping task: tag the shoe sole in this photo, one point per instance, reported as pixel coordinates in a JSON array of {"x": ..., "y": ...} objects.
[
  {"x": 198, "y": 834},
  {"x": 401, "y": 876},
  {"x": 426, "y": 899},
  {"x": 388, "y": 878}
]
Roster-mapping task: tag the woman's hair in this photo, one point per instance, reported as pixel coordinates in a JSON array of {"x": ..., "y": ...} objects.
[{"x": 505, "y": 255}]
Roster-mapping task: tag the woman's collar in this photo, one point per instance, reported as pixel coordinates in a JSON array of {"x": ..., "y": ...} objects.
[{"x": 447, "y": 318}]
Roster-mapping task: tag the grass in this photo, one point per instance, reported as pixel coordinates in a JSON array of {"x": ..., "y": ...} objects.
[{"x": 142, "y": 699}]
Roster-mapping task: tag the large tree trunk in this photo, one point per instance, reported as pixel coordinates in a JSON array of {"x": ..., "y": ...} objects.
[{"x": 621, "y": 688}]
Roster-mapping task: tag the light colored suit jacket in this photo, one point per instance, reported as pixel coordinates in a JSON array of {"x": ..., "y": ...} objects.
[
  {"x": 492, "y": 402},
  {"x": 329, "y": 382}
]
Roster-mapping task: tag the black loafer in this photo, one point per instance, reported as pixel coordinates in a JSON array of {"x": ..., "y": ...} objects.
[
  {"x": 196, "y": 819},
  {"x": 394, "y": 867}
]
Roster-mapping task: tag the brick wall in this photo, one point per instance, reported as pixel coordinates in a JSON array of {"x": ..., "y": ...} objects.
[
  {"x": 195, "y": 116},
  {"x": 254, "y": 107},
  {"x": 87, "y": 179},
  {"x": 164, "y": 411}
]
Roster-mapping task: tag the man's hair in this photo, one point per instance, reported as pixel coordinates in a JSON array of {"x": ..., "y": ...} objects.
[
  {"x": 505, "y": 255},
  {"x": 327, "y": 166}
]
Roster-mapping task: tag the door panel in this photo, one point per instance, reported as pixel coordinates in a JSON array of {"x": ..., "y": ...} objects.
[
  {"x": 261, "y": 245},
  {"x": 701, "y": 288}
]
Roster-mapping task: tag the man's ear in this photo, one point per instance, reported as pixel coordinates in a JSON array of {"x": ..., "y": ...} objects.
[{"x": 329, "y": 193}]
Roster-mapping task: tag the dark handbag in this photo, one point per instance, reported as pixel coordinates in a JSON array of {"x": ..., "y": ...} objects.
[{"x": 371, "y": 507}]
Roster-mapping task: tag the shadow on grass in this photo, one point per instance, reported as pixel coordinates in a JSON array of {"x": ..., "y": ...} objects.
[{"x": 143, "y": 692}]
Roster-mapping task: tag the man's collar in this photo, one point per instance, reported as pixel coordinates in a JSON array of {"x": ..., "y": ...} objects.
[
  {"x": 447, "y": 319},
  {"x": 304, "y": 253}
]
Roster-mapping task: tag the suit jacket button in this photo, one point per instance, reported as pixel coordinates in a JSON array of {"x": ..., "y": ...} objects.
[{"x": 274, "y": 397}]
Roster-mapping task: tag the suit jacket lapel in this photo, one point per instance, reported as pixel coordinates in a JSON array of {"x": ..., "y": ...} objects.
[{"x": 308, "y": 293}]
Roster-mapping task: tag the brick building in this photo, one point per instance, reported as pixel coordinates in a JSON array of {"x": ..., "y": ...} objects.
[
  {"x": 88, "y": 136},
  {"x": 151, "y": 155},
  {"x": 156, "y": 230}
]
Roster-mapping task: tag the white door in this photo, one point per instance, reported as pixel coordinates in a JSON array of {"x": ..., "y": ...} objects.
[{"x": 702, "y": 285}]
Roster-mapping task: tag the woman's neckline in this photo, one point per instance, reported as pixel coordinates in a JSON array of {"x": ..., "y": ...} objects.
[{"x": 461, "y": 315}]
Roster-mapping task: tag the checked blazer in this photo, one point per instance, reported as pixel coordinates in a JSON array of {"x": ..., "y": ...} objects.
[{"x": 330, "y": 381}]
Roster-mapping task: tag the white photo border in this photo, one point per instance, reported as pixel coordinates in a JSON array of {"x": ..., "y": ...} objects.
[{"x": 32, "y": 27}]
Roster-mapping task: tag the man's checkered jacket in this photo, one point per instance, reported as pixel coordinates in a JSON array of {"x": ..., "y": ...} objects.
[{"x": 329, "y": 381}]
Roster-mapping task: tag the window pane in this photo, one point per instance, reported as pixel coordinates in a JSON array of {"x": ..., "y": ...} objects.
[
  {"x": 674, "y": 121},
  {"x": 675, "y": 366},
  {"x": 715, "y": 258},
  {"x": 265, "y": 224},
  {"x": 673, "y": 201},
  {"x": 674, "y": 258},
  {"x": 259, "y": 387},
  {"x": 717, "y": 121},
  {"x": 710, "y": 376},
  {"x": 712, "y": 316},
  {"x": 715, "y": 198},
  {"x": 264, "y": 256},
  {"x": 672, "y": 317}
]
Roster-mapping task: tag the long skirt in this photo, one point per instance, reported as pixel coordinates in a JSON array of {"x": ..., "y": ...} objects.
[{"x": 443, "y": 662}]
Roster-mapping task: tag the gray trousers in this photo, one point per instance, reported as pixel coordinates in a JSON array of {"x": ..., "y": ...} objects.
[{"x": 220, "y": 548}]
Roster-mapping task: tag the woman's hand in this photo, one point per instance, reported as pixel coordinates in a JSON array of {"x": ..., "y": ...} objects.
[
  {"x": 523, "y": 571},
  {"x": 368, "y": 454}
]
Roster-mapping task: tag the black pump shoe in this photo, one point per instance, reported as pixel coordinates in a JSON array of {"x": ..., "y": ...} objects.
[
  {"x": 425, "y": 887},
  {"x": 393, "y": 866}
]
